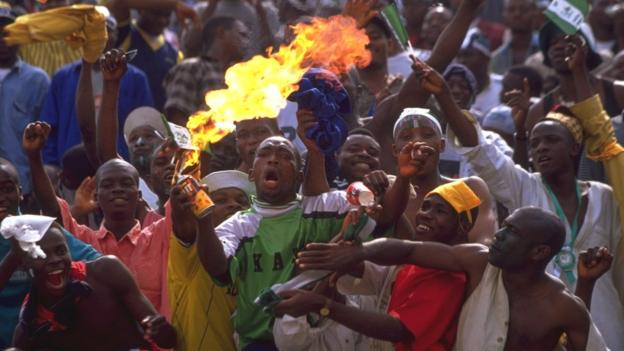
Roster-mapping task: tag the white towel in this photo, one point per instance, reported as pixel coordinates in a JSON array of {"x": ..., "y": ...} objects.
[{"x": 27, "y": 230}]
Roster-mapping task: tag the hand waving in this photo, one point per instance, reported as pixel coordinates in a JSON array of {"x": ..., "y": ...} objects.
[
  {"x": 35, "y": 137},
  {"x": 361, "y": 10},
  {"x": 593, "y": 263},
  {"x": 84, "y": 202},
  {"x": 519, "y": 101},
  {"x": 430, "y": 80},
  {"x": 114, "y": 65}
]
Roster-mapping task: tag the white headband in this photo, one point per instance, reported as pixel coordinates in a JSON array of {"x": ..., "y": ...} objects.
[{"x": 410, "y": 117}]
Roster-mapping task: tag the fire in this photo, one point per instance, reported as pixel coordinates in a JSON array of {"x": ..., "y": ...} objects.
[{"x": 259, "y": 87}]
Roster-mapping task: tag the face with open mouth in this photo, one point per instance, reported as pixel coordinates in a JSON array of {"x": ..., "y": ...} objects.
[
  {"x": 51, "y": 274},
  {"x": 552, "y": 147},
  {"x": 358, "y": 156},
  {"x": 436, "y": 221},
  {"x": 117, "y": 189},
  {"x": 276, "y": 171}
]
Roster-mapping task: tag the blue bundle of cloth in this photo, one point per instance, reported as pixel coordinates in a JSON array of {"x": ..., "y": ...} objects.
[{"x": 321, "y": 92}]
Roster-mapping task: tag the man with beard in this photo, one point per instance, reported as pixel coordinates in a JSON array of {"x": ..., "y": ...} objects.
[
  {"x": 588, "y": 209},
  {"x": 78, "y": 305},
  {"x": 201, "y": 311},
  {"x": 18, "y": 285},
  {"x": 423, "y": 304},
  {"x": 143, "y": 249},
  {"x": 512, "y": 304}
]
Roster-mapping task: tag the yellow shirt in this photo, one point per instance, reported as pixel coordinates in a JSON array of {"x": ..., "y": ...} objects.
[
  {"x": 200, "y": 310},
  {"x": 601, "y": 145},
  {"x": 50, "y": 56}
]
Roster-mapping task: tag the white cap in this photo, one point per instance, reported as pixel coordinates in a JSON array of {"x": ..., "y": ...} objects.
[
  {"x": 229, "y": 179},
  {"x": 144, "y": 116},
  {"x": 27, "y": 230}
]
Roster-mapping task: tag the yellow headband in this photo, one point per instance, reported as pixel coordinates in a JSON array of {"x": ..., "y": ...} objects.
[
  {"x": 459, "y": 195},
  {"x": 572, "y": 124}
]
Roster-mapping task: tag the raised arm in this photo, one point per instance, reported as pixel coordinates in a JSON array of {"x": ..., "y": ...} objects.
[
  {"x": 592, "y": 264},
  {"x": 211, "y": 252},
  {"x": 114, "y": 274},
  {"x": 85, "y": 112},
  {"x": 315, "y": 178},
  {"x": 390, "y": 252},
  {"x": 433, "y": 82},
  {"x": 519, "y": 101},
  {"x": 113, "y": 65},
  {"x": 35, "y": 136}
]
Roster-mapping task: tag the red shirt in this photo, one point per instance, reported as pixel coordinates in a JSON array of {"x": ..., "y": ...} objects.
[{"x": 427, "y": 302}]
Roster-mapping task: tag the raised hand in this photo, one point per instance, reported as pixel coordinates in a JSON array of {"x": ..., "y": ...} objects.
[
  {"x": 377, "y": 181},
  {"x": 430, "y": 80},
  {"x": 84, "y": 202},
  {"x": 114, "y": 65},
  {"x": 184, "y": 13},
  {"x": 361, "y": 10},
  {"x": 520, "y": 102},
  {"x": 413, "y": 157},
  {"x": 35, "y": 137},
  {"x": 576, "y": 52},
  {"x": 338, "y": 257},
  {"x": 593, "y": 263},
  {"x": 305, "y": 121},
  {"x": 157, "y": 330}
]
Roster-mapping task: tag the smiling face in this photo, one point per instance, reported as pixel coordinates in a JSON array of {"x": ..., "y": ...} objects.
[
  {"x": 427, "y": 133},
  {"x": 437, "y": 221},
  {"x": 227, "y": 202},
  {"x": 51, "y": 274},
  {"x": 10, "y": 194},
  {"x": 358, "y": 156},
  {"x": 552, "y": 148},
  {"x": 117, "y": 189},
  {"x": 141, "y": 144},
  {"x": 276, "y": 171}
]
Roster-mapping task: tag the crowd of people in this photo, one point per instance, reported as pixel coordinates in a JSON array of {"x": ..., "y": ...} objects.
[{"x": 491, "y": 142}]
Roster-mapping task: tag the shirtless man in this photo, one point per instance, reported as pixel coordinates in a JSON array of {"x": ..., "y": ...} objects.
[
  {"x": 540, "y": 308},
  {"x": 109, "y": 312}
]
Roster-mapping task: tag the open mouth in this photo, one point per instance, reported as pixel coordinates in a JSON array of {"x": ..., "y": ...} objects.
[
  {"x": 119, "y": 201},
  {"x": 423, "y": 228},
  {"x": 56, "y": 279},
  {"x": 271, "y": 179},
  {"x": 361, "y": 165},
  {"x": 543, "y": 160}
]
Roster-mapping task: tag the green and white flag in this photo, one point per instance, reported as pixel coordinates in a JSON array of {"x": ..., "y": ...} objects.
[
  {"x": 179, "y": 134},
  {"x": 568, "y": 15},
  {"x": 393, "y": 17}
]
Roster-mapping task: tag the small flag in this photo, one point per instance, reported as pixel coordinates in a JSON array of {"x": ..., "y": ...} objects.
[
  {"x": 392, "y": 16},
  {"x": 179, "y": 134},
  {"x": 568, "y": 15}
]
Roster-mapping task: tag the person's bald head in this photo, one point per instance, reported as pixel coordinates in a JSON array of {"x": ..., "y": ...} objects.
[
  {"x": 117, "y": 189},
  {"x": 9, "y": 169},
  {"x": 530, "y": 236},
  {"x": 116, "y": 165}
]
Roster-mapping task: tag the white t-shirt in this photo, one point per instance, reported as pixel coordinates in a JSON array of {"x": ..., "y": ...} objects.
[{"x": 489, "y": 98}]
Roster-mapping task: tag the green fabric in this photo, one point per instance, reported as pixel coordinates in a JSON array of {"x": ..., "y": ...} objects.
[
  {"x": 392, "y": 16},
  {"x": 567, "y": 14},
  {"x": 267, "y": 257}
]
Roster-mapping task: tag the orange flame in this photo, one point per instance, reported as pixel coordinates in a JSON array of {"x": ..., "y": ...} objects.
[{"x": 259, "y": 87}]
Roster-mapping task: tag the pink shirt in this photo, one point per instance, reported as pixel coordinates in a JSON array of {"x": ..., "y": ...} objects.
[{"x": 143, "y": 250}]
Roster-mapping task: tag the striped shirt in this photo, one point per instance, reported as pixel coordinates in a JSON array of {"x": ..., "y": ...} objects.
[{"x": 50, "y": 56}]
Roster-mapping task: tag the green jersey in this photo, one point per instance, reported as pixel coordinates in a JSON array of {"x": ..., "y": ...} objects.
[{"x": 261, "y": 244}]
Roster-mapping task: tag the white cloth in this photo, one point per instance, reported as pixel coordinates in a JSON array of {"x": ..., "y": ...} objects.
[
  {"x": 296, "y": 334},
  {"x": 148, "y": 195},
  {"x": 484, "y": 318},
  {"x": 401, "y": 63},
  {"x": 488, "y": 98},
  {"x": 27, "y": 230},
  {"x": 375, "y": 288},
  {"x": 514, "y": 188},
  {"x": 453, "y": 160}
]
